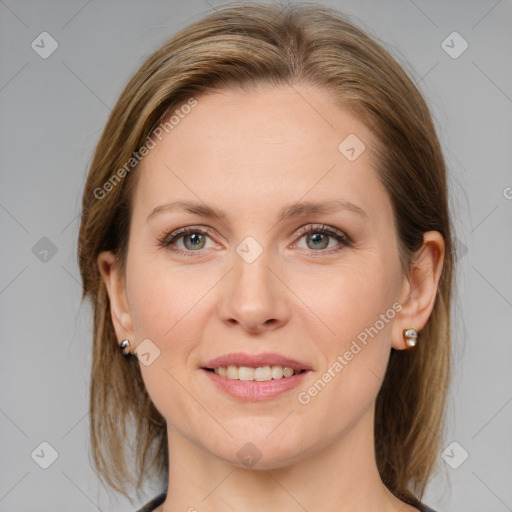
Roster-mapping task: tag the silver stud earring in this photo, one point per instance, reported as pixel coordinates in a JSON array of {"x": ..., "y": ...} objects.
[
  {"x": 411, "y": 336},
  {"x": 125, "y": 347}
]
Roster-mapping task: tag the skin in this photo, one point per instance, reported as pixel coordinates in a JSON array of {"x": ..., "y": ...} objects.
[{"x": 250, "y": 154}]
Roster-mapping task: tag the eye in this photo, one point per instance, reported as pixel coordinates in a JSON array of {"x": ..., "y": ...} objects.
[
  {"x": 186, "y": 241},
  {"x": 318, "y": 238},
  {"x": 192, "y": 239}
]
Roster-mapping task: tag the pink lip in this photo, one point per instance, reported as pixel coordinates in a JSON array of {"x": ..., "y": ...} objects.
[
  {"x": 252, "y": 390},
  {"x": 255, "y": 361}
]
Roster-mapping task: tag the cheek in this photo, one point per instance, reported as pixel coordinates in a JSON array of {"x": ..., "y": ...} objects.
[
  {"x": 354, "y": 358},
  {"x": 356, "y": 306},
  {"x": 163, "y": 296},
  {"x": 166, "y": 308},
  {"x": 349, "y": 298}
]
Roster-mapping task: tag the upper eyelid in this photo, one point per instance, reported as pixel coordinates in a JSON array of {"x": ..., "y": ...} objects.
[{"x": 320, "y": 227}]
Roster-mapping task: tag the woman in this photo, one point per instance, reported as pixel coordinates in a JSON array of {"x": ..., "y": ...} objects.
[{"x": 267, "y": 243}]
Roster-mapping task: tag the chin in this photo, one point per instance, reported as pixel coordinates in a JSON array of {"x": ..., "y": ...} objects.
[{"x": 260, "y": 452}]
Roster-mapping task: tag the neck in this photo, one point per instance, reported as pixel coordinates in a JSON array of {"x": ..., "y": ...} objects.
[{"x": 340, "y": 477}]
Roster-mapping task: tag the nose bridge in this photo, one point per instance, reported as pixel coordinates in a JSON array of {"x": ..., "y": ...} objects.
[{"x": 252, "y": 279}]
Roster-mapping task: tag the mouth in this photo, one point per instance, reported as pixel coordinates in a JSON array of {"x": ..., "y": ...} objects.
[{"x": 255, "y": 377}]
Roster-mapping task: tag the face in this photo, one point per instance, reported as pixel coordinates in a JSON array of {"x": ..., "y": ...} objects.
[{"x": 319, "y": 286}]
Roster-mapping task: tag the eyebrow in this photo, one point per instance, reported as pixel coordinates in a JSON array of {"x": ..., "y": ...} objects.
[{"x": 290, "y": 211}]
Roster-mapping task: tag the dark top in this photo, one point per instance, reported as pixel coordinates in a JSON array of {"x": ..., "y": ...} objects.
[{"x": 151, "y": 505}]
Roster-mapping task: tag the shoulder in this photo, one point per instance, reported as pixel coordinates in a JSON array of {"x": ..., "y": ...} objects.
[{"x": 150, "y": 506}]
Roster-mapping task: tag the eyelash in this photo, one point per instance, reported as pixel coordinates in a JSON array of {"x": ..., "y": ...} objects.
[{"x": 168, "y": 239}]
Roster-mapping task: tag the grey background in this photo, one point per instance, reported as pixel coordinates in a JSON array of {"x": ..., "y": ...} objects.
[{"x": 52, "y": 112}]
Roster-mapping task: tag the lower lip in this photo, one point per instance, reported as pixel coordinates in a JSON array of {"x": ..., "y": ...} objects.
[{"x": 252, "y": 390}]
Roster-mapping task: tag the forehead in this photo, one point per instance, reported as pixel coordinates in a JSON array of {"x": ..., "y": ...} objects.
[{"x": 247, "y": 149}]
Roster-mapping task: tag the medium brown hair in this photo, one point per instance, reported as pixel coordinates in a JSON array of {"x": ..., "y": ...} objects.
[{"x": 243, "y": 46}]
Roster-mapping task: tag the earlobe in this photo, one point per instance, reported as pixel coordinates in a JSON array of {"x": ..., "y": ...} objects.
[
  {"x": 419, "y": 291},
  {"x": 112, "y": 276}
]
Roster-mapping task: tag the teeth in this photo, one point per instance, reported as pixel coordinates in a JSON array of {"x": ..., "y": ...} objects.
[
  {"x": 262, "y": 373},
  {"x": 277, "y": 372},
  {"x": 232, "y": 372}
]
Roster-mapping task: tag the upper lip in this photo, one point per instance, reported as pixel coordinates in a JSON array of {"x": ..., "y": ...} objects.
[{"x": 255, "y": 361}]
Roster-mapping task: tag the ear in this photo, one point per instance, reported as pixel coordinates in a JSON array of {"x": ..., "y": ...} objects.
[
  {"x": 419, "y": 288},
  {"x": 113, "y": 278}
]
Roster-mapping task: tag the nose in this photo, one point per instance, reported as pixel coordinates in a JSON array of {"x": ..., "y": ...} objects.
[{"x": 253, "y": 296}]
